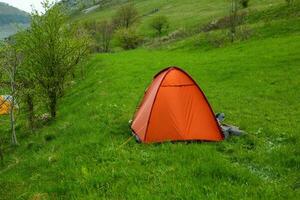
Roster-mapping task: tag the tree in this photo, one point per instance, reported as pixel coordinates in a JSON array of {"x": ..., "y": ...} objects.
[
  {"x": 26, "y": 84},
  {"x": 104, "y": 34},
  {"x": 160, "y": 24},
  {"x": 10, "y": 62},
  {"x": 125, "y": 16},
  {"x": 52, "y": 49}
]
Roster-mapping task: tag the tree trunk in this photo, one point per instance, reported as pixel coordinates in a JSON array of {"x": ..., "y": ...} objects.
[
  {"x": 12, "y": 105},
  {"x": 233, "y": 18},
  {"x": 53, "y": 104},
  {"x": 30, "y": 110}
]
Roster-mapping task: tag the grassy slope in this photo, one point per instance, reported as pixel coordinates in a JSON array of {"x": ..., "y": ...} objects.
[
  {"x": 255, "y": 83},
  {"x": 188, "y": 14}
]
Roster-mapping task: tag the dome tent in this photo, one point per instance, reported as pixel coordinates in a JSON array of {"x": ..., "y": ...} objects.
[{"x": 175, "y": 108}]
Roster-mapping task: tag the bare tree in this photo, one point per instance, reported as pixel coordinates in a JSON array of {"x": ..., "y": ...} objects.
[
  {"x": 106, "y": 34},
  {"x": 10, "y": 62},
  {"x": 125, "y": 16}
]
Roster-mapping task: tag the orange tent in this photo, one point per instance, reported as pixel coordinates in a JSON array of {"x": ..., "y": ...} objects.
[
  {"x": 4, "y": 105},
  {"x": 174, "y": 108}
]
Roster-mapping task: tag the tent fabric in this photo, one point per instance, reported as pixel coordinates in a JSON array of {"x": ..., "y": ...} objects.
[
  {"x": 174, "y": 108},
  {"x": 5, "y": 103}
]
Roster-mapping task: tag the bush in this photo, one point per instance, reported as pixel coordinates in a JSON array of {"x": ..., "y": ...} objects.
[
  {"x": 128, "y": 38},
  {"x": 160, "y": 24}
]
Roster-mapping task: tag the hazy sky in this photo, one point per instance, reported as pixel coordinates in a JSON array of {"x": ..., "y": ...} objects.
[{"x": 26, "y": 5}]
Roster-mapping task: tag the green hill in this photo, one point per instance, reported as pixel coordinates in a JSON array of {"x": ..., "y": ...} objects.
[
  {"x": 189, "y": 14},
  {"x": 11, "y": 20},
  {"x": 85, "y": 152}
]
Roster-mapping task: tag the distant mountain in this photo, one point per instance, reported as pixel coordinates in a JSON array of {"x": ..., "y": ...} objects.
[{"x": 11, "y": 20}]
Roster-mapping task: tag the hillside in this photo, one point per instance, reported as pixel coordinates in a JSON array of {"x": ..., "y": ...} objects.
[
  {"x": 11, "y": 19},
  {"x": 85, "y": 153},
  {"x": 188, "y": 15}
]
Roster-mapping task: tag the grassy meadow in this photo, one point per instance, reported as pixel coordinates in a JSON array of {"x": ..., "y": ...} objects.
[{"x": 85, "y": 153}]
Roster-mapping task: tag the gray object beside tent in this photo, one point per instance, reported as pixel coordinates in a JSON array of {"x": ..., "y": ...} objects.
[{"x": 228, "y": 130}]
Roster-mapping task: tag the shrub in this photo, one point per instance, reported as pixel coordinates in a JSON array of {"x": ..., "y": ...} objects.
[
  {"x": 128, "y": 38},
  {"x": 160, "y": 24}
]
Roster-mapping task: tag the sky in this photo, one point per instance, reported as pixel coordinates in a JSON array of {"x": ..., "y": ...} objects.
[{"x": 26, "y": 5}]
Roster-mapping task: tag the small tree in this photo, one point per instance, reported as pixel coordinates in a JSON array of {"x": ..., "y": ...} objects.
[
  {"x": 104, "y": 34},
  {"x": 159, "y": 24},
  {"x": 10, "y": 62},
  {"x": 52, "y": 50},
  {"x": 125, "y": 16}
]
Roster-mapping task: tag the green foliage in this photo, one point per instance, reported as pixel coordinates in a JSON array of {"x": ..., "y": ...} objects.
[
  {"x": 52, "y": 50},
  {"x": 289, "y": 2},
  {"x": 128, "y": 38},
  {"x": 244, "y": 3},
  {"x": 160, "y": 24}
]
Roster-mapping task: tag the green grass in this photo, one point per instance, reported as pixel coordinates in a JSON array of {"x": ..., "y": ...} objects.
[
  {"x": 188, "y": 15},
  {"x": 255, "y": 83},
  {"x": 83, "y": 154}
]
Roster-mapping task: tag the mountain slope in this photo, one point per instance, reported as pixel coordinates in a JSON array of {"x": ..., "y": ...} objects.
[{"x": 11, "y": 19}]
